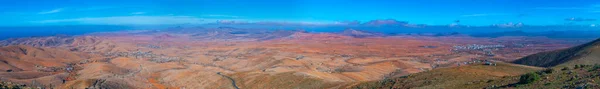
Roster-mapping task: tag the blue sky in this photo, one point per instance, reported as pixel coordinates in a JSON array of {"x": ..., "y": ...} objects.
[{"x": 160, "y": 12}]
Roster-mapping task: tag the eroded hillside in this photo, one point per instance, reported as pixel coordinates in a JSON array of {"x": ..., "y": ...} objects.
[{"x": 250, "y": 58}]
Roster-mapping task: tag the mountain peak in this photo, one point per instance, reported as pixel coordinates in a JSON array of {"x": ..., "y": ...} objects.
[
  {"x": 358, "y": 33},
  {"x": 383, "y": 22}
]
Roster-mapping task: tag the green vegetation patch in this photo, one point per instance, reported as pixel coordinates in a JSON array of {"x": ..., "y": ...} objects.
[{"x": 529, "y": 78}]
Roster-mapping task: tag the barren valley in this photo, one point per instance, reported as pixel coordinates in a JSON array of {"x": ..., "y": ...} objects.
[{"x": 230, "y": 58}]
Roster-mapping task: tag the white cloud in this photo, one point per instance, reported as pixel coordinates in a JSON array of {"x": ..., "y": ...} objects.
[
  {"x": 298, "y": 22},
  {"x": 216, "y": 15},
  {"x": 560, "y": 8},
  {"x": 96, "y": 8},
  {"x": 475, "y": 15},
  {"x": 51, "y": 11},
  {"x": 485, "y": 14},
  {"x": 127, "y": 20},
  {"x": 138, "y": 13}
]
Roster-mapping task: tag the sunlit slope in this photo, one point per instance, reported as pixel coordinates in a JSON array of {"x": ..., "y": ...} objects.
[
  {"x": 37, "y": 66},
  {"x": 588, "y": 53},
  {"x": 25, "y": 58},
  {"x": 474, "y": 76}
]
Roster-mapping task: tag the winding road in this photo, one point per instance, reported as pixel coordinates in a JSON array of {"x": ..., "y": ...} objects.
[{"x": 232, "y": 81}]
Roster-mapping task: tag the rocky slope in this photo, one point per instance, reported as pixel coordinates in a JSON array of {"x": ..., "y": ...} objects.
[{"x": 588, "y": 53}]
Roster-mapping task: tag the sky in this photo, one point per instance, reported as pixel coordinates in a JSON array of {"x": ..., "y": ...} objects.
[{"x": 165, "y": 12}]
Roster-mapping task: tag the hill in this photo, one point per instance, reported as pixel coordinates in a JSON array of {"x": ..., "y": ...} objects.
[
  {"x": 228, "y": 57},
  {"x": 549, "y": 34},
  {"x": 38, "y": 41},
  {"x": 569, "y": 77},
  {"x": 462, "y": 77},
  {"x": 23, "y": 58},
  {"x": 576, "y": 67},
  {"x": 588, "y": 53},
  {"x": 359, "y": 33},
  {"x": 506, "y": 33},
  {"x": 35, "y": 66}
]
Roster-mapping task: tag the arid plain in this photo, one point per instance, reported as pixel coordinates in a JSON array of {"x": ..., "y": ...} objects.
[{"x": 225, "y": 57}]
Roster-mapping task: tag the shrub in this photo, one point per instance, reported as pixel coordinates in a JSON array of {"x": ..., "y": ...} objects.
[
  {"x": 595, "y": 67},
  {"x": 549, "y": 71},
  {"x": 529, "y": 78},
  {"x": 584, "y": 66},
  {"x": 565, "y": 68},
  {"x": 347, "y": 68},
  {"x": 489, "y": 81}
]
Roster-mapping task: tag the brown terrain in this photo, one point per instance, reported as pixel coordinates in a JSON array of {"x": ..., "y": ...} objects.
[
  {"x": 229, "y": 58},
  {"x": 571, "y": 68}
]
